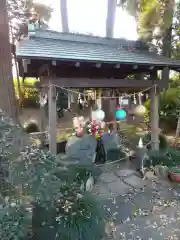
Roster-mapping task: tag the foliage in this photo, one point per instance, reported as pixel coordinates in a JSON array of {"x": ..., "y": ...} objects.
[
  {"x": 151, "y": 16},
  {"x": 80, "y": 174},
  {"x": 159, "y": 158},
  {"x": 76, "y": 216},
  {"x": 155, "y": 14},
  {"x": 175, "y": 169},
  {"x": 168, "y": 108},
  {"x": 175, "y": 43},
  {"x": 29, "y": 170},
  {"x": 163, "y": 144},
  {"x": 30, "y": 95},
  {"x": 37, "y": 201},
  {"x": 15, "y": 222},
  {"x": 31, "y": 126},
  {"x": 174, "y": 81},
  {"x": 63, "y": 137},
  {"x": 11, "y": 143},
  {"x": 168, "y": 157},
  {"x": 19, "y": 12}
]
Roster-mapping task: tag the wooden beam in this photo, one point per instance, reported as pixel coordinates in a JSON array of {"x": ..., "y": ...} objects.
[
  {"x": 77, "y": 64},
  {"x": 135, "y": 66},
  {"x": 100, "y": 83},
  {"x": 25, "y": 63},
  {"x": 154, "y": 113},
  {"x": 43, "y": 69},
  {"x": 98, "y": 65},
  {"x": 117, "y": 66}
]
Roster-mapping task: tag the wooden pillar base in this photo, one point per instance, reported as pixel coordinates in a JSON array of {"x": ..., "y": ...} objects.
[{"x": 52, "y": 119}]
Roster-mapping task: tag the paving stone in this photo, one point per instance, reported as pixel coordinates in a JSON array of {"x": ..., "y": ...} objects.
[
  {"x": 144, "y": 201},
  {"x": 118, "y": 187},
  {"x": 135, "y": 181},
  {"x": 125, "y": 173},
  {"x": 133, "y": 232},
  {"x": 148, "y": 210},
  {"x": 108, "y": 177},
  {"x": 118, "y": 210},
  {"x": 101, "y": 191},
  {"x": 158, "y": 226}
]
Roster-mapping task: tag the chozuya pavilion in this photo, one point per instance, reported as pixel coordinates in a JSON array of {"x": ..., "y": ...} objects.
[{"x": 79, "y": 61}]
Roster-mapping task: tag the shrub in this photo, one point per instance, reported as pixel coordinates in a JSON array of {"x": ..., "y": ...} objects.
[
  {"x": 31, "y": 126},
  {"x": 73, "y": 215},
  {"x": 30, "y": 96},
  {"x": 40, "y": 204},
  {"x": 15, "y": 222},
  {"x": 159, "y": 158},
  {"x": 168, "y": 108},
  {"x": 169, "y": 157},
  {"x": 163, "y": 144}
]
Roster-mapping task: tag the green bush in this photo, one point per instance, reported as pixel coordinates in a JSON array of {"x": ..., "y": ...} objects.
[
  {"x": 38, "y": 202},
  {"x": 31, "y": 126},
  {"x": 169, "y": 157},
  {"x": 30, "y": 96},
  {"x": 169, "y": 103},
  {"x": 67, "y": 214},
  {"x": 159, "y": 158},
  {"x": 16, "y": 220},
  {"x": 163, "y": 143}
]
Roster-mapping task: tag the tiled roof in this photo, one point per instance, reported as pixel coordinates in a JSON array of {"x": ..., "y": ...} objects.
[{"x": 63, "y": 46}]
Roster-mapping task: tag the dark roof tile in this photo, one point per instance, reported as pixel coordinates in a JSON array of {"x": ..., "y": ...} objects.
[{"x": 61, "y": 46}]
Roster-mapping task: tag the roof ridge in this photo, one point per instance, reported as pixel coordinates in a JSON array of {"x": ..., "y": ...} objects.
[{"x": 77, "y": 37}]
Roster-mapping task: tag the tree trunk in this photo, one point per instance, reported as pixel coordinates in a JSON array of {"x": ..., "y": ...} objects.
[
  {"x": 110, "y": 19},
  {"x": 7, "y": 94},
  {"x": 166, "y": 42},
  {"x": 16, "y": 67},
  {"x": 64, "y": 15}
]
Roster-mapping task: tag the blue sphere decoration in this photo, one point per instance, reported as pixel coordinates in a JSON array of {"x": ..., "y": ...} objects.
[{"x": 120, "y": 114}]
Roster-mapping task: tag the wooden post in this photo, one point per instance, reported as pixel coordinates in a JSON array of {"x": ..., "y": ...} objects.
[
  {"x": 98, "y": 98},
  {"x": 154, "y": 114},
  {"x": 69, "y": 100},
  {"x": 72, "y": 97},
  {"x": 52, "y": 119},
  {"x": 42, "y": 114},
  {"x": 165, "y": 78}
]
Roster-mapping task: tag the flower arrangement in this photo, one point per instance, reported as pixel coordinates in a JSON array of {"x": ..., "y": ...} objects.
[{"x": 94, "y": 127}]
